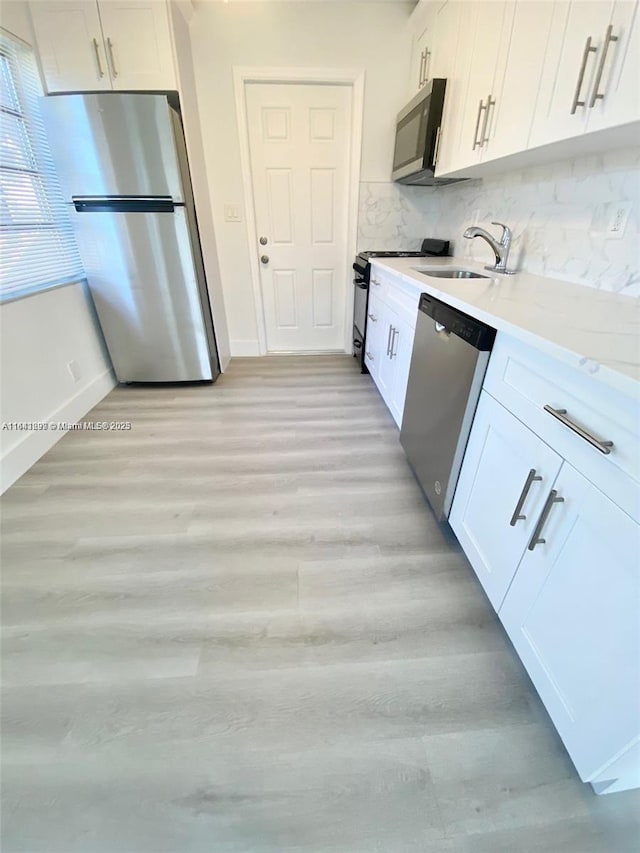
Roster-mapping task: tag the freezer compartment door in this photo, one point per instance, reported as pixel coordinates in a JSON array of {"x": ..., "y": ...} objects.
[
  {"x": 113, "y": 145},
  {"x": 148, "y": 298}
]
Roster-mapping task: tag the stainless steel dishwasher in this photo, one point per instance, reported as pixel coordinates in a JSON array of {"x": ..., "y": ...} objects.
[{"x": 448, "y": 363}]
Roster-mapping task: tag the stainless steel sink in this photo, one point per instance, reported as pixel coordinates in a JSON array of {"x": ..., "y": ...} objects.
[{"x": 452, "y": 273}]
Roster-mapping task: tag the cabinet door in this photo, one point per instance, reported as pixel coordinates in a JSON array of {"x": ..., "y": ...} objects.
[
  {"x": 459, "y": 43},
  {"x": 569, "y": 72},
  {"x": 526, "y": 34},
  {"x": 497, "y": 501},
  {"x": 619, "y": 64},
  {"x": 400, "y": 355},
  {"x": 480, "y": 99},
  {"x": 572, "y": 615},
  {"x": 419, "y": 62},
  {"x": 387, "y": 366},
  {"x": 422, "y": 24},
  {"x": 375, "y": 321},
  {"x": 138, "y": 44},
  {"x": 70, "y": 45}
]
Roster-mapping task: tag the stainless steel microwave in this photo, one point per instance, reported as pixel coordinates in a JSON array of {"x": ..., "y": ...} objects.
[{"x": 418, "y": 135}]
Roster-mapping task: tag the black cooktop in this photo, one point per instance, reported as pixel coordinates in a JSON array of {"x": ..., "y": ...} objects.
[
  {"x": 399, "y": 254},
  {"x": 430, "y": 247}
]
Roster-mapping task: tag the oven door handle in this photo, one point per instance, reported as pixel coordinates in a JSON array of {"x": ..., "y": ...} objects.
[{"x": 361, "y": 284}]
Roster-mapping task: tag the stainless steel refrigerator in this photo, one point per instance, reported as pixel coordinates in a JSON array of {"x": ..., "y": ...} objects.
[{"x": 123, "y": 168}]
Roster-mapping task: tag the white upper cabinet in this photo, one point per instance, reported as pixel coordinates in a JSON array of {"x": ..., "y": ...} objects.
[
  {"x": 572, "y": 615},
  {"x": 70, "y": 45},
  {"x": 591, "y": 70},
  {"x": 617, "y": 93},
  {"x": 87, "y": 46},
  {"x": 457, "y": 65},
  {"x": 523, "y": 74},
  {"x": 487, "y": 23},
  {"x": 422, "y": 24},
  {"x": 525, "y": 34},
  {"x": 138, "y": 44}
]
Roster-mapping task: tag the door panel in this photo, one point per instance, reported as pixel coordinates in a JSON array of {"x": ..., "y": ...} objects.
[
  {"x": 65, "y": 32},
  {"x": 402, "y": 347},
  {"x": 138, "y": 44},
  {"x": 142, "y": 278},
  {"x": 500, "y": 454},
  {"x": 299, "y": 147},
  {"x": 585, "y": 576},
  {"x": 518, "y": 74},
  {"x": 375, "y": 327},
  {"x": 120, "y": 145},
  {"x": 569, "y": 62},
  {"x": 618, "y": 84}
]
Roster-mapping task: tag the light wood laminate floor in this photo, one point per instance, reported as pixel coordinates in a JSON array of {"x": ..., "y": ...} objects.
[{"x": 237, "y": 629}]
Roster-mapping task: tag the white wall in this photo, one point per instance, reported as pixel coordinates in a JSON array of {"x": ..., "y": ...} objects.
[
  {"x": 39, "y": 336},
  {"x": 371, "y": 37}
]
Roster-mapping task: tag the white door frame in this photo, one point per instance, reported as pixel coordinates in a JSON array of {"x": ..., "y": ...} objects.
[{"x": 330, "y": 76}]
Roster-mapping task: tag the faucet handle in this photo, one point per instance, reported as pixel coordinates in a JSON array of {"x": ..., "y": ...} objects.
[{"x": 505, "y": 239}]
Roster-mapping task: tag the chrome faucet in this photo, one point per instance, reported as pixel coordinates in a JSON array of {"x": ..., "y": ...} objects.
[{"x": 500, "y": 248}]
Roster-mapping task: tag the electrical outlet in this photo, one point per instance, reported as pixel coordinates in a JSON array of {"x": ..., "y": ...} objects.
[
  {"x": 618, "y": 218},
  {"x": 74, "y": 369},
  {"x": 232, "y": 213}
]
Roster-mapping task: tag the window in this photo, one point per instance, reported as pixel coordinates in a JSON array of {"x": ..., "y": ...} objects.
[{"x": 37, "y": 247}]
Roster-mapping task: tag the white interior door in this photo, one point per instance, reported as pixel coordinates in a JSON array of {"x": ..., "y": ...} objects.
[{"x": 299, "y": 140}]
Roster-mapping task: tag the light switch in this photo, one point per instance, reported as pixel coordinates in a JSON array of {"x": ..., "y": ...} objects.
[{"x": 232, "y": 213}]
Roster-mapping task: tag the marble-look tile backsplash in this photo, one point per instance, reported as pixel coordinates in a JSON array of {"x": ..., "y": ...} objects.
[{"x": 557, "y": 213}]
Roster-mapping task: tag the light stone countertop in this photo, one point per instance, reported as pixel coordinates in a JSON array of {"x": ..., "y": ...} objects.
[{"x": 594, "y": 331}]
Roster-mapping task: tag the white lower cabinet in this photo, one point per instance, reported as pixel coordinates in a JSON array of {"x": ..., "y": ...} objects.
[
  {"x": 506, "y": 476},
  {"x": 389, "y": 342},
  {"x": 572, "y": 613},
  {"x": 557, "y": 555}
]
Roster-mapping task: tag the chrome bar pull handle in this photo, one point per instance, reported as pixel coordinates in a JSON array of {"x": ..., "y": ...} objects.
[
  {"x": 491, "y": 102},
  {"x": 532, "y": 478},
  {"x": 588, "y": 48},
  {"x": 372, "y": 318},
  {"x": 389, "y": 339},
  {"x": 113, "y": 62},
  {"x": 423, "y": 62},
  {"x": 598, "y": 443},
  {"x": 599, "y": 96},
  {"x": 394, "y": 349},
  {"x": 536, "y": 539},
  {"x": 476, "y": 142},
  {"x": 427, "y": 57},
  {"x": 96, "y": 49},
  {"x": 369, "y": 356}
]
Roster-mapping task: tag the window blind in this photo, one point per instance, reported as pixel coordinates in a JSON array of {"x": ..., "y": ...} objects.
[{"x": 37, "y": 246}]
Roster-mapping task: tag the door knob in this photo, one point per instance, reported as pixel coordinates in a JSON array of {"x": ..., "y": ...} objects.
[
  {"x": 264, "y": 259},
  {"x": 263, "y": 241}
]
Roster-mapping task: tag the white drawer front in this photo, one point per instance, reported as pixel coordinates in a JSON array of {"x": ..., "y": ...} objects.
[
  {"x": 400, "y": 296},
  {"x": 525, "y": 380}
]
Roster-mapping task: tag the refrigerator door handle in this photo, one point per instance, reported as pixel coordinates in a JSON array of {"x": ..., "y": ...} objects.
[{"x": 123, "y": 204}]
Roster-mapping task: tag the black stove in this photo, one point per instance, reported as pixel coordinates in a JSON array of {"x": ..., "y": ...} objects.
[
  {"x": 362, "y": 273},
  {"x": 392, "y": 254}
]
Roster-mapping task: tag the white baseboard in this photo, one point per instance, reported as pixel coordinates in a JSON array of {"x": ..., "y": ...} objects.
[
  {"x": 241, "y": 349},
  {"x": 19, "y": 458}
]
